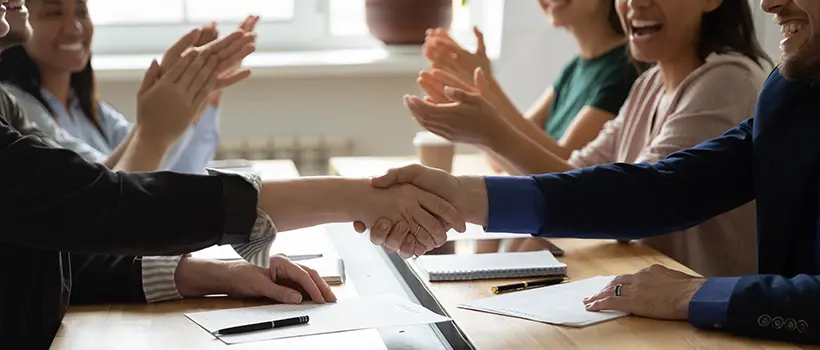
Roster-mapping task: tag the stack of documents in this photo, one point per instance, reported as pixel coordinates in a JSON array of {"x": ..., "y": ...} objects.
[
  {"x": 560, "y": 304},
  {"x": 345, "y": 315}
]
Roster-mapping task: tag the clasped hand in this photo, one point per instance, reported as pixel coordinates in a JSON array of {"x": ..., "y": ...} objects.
[{"x": 466, "y": 196}]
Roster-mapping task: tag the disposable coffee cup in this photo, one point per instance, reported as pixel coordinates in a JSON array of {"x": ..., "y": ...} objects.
[{"x": 434, "y": 151}]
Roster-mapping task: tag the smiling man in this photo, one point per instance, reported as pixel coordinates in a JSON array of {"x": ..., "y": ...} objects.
[{"x": 773, "y": 159}]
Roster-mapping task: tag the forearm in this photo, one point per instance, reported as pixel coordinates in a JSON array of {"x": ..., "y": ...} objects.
[
  {"x": 526, "y": 155},
  {"x": 143, "y": 154},
  {"x": 310, "y": 201},
  {"x": 112, "y": 162}
]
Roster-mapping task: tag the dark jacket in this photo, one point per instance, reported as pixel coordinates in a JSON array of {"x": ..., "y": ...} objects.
[{"x": 71, "y": 231}]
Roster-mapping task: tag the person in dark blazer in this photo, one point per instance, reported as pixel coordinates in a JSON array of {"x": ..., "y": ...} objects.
[{"x": 773, "y": 158}]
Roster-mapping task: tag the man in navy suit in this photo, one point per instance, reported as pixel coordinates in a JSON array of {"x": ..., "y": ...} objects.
[{"x": 773, "y": 158}]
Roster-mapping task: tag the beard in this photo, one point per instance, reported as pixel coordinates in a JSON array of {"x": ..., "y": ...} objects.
[{"x": 804, "y": 64}]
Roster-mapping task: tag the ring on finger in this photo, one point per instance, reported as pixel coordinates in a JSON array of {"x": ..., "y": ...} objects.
[
  {"x": 618, "y": 288},
  {"x": 416, "y": 232}
]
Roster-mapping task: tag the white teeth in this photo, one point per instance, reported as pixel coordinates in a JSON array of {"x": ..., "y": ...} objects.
[
  {"x": 71, "y": 47},
  {"x": 639, "y": 23},
  {"x": 790, "y": 28}
]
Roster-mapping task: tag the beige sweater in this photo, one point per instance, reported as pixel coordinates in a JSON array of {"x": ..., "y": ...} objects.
[{"x": 715, "y": 97}]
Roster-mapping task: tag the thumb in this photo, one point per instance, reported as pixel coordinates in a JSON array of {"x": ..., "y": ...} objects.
[
  {"x": 481, "y": 82},
  {"x": 151, "y": 77},
  {"x": 481, "y": 49},
  {"x": 460, "y": 95},
  {"x": 397, "y": 176}
]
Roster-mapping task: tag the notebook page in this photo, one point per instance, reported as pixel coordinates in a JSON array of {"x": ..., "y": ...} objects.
[{"x": 560, "y": 304}]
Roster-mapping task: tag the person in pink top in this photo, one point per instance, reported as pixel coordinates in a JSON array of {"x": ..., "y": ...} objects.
[{"x": 708, "y": 71}]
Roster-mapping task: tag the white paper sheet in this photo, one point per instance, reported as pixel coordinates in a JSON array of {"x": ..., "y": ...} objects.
[
  {"x": 476, "y": 232},
  {"x": 345, "y": 315},
  {"x": 560, "y": 304}
]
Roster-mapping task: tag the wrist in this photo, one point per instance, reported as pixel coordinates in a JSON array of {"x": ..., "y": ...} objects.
[
  {"x": 199, "y": 277},
  {"x": 151, "y": 141},
  {"x": 471, "y": 200}
]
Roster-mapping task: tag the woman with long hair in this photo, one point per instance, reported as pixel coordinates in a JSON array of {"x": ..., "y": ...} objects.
[
  {"x": 708, "y": 71},
  {"x": 53, "y": 80}
]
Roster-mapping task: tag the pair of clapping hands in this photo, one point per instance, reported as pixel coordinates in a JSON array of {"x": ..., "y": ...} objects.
[{"x": 174, "y": 93}]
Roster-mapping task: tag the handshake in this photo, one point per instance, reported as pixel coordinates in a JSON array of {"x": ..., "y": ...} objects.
[{"x": 428, "y": 203}]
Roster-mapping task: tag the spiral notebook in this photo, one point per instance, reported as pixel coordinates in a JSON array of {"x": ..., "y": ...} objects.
[{"x": 453, "y": 267}]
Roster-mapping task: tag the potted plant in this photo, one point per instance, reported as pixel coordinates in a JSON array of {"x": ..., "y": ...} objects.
[{"x": 404, "y": 22}]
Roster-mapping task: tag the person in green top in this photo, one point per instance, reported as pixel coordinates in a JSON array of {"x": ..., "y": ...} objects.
[{"x": 588, "y": 93}]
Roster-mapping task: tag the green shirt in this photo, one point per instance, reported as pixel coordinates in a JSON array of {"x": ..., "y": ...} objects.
[{"x": 602, "y": 82}]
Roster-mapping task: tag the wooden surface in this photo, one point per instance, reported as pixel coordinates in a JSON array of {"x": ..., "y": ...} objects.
[
  {"x": 585, "y": 258},
  {"x": 164, "y": 326}
]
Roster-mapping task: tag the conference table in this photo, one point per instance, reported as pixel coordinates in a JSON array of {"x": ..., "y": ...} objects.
[
  {"x": 584, "y": 258},
  {"x": 371, "y": 271}
]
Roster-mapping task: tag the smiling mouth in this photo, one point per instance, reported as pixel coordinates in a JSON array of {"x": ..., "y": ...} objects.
[
  {"x": 644, "y": 28},
  {"x": 71, "y": 47}
]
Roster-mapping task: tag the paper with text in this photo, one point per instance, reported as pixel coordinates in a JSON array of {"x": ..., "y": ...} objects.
[
  {"x": 345, "y": 315},
  {"x": 560, "y": 304}
]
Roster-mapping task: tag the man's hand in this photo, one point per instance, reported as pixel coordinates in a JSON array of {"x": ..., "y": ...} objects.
[
  {"x": 468, "y": 194},
  {"x": 285, "y": 281},
  {"x": 654, "y": 292},
  {"x": 418, "y": 220}
]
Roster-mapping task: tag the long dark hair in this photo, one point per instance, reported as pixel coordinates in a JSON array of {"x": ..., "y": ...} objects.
[
  {"x": 731, "y": 28},
  {"x": 18, "y": 69},
  {"x": 614, "y": 20}
]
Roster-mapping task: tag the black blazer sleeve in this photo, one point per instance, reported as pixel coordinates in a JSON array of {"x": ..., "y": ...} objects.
[
  {"x": 106, "y": 279},
  {"x": 52, "y": 199}
]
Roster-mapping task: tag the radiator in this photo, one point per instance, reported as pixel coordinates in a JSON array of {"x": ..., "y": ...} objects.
[{"x": 310, "y": 154}]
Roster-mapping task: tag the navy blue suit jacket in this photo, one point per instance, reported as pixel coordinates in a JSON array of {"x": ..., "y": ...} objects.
[{"x": 773, "y": 158}]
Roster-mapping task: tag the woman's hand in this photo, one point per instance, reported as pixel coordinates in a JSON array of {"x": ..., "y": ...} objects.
[
  {"x": 445, "y": 54},
  {"x": 285, "y": 281},
  {"x": 247, "y": 26},
  {"x": 167, "y": 103},
  {"x": 470, "y": 118}
]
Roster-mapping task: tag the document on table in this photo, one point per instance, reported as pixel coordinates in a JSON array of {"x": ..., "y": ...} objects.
[
  {"x": 476, "y": 232},
  {"x": 345, "y": 315},
  {"x": 560, "y": 304}
]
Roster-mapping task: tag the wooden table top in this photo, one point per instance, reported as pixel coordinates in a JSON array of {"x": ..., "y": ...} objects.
[
  {"x": 164, "y": 326},
  {"x": 584, "y": 258}
]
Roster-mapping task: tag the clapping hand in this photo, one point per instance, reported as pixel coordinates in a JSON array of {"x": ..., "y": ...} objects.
[
  {"x": 469, "y": 118},
  {"x": 444, "y": 53}
]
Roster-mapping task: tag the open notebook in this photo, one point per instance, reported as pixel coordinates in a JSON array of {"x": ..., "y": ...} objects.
[{"x": 491, "y": 266}]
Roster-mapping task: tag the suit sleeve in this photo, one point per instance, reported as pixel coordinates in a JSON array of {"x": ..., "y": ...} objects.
[
  {"x": 629, "y": 201},
  {"x": 60, "y": 202},
  {"x": 106, "y": 279}
]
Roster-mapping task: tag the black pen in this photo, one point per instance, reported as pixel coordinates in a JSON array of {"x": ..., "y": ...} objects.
[
  {"x": 527, "y": 285},
  {"x": 293, "y": 321}
]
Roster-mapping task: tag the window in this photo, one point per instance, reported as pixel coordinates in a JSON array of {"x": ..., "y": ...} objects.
[{"x": 150, "y": 26}]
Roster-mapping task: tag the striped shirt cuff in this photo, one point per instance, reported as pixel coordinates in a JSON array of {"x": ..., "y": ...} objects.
[
  {"x": 158, "y": 278},
  {"x": 257, "y": 250}
]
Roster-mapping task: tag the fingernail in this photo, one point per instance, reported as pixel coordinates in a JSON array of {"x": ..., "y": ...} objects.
[
  {"x": 448, "y": 90},
  {"x": 294, "y": 298},
  {"x": 384, "y": 226}
]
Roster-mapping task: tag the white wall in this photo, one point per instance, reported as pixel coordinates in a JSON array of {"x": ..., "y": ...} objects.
[{"x": 369, "y": 109}]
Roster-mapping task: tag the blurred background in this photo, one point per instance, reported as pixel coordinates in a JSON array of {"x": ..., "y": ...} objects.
[{"x": 323, "y": 85}]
